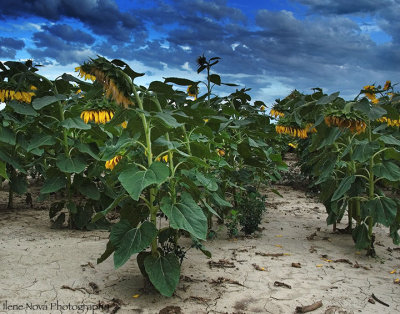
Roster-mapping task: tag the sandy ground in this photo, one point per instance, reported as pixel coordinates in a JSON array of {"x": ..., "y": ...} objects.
[{"x": 56, "y": 269}]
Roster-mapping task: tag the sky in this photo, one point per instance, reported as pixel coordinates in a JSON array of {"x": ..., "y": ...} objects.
[{"x": 272, "y": 47}]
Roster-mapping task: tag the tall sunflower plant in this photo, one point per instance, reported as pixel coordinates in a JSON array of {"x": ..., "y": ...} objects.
[
  {"x": 157, "y": 169},
  {"x": 354, "y": 151}
]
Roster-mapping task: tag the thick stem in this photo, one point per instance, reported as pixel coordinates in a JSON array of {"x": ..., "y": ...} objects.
[{"x": 153, "y": 191}]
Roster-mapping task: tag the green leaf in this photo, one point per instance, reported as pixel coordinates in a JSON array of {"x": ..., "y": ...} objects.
[
  {"x": 4, "y": 156},
  {"x": 70, "y": 165},
  {"x": 387, "y": 170},
  {"x": 208, "y": 182},
  {"x": 364, "y": 150},
  {"x": 109, "y": 250},
  {"x": 22, "y": 108},
  {"x": 389, "y": 139},
  {"x": 90, "y": 190},
  {"x": 42, "y": 102},
  {"x": 186, "y": 215},
  {"x": 118, "y": 231},
  {"x": 343, "y": 187},
  {"x": 215, "y": 78},
  {"x": 3, "y": 172},
  {"x": 53, "y": 185},
  {"x": 39, "y": 140},
  {"x": 90, "y": 149},
  {"x": 392, "y": 153},
  {"x": 179, "y": 81},
  {"x": 134, "y": 241},
  {"x": 7, "y": 136},
  {"x": 162, "y": 88},
  {"x": 167, "y": 119},
  {"x": 75, "y": 123},
  {"x": 360, "y": 236},
  {"x": 327, "y": 99},
  {"x": 220, "y": 201},
  {"x": 135, "y": 181},
  {"x": 164, "y": 272},
  {"x": 383, "y": 210}
]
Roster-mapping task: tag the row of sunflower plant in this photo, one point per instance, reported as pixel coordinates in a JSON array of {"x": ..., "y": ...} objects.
[
  {"x": 352, "y": 155},
  {"x": 165, "y": 162}
]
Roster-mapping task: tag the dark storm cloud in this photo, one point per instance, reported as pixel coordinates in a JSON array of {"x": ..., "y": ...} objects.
[
  {"x": 346, "y": 6},
  {"x": 9, "y": 47},
  {"x": 324, "y": 48},
  {"x": 103, "y": 17},
  {"x": 64, "y": 52},
  {"x": 69, "y": 34}
]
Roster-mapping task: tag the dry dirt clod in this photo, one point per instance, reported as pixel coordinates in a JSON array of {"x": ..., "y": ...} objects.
[
  {"x": 171, "y": 309},
  {"x": 296, "y": 265}
]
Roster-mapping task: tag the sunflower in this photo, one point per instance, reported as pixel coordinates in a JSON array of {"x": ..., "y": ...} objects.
[
  {"x": 21, "y": 96},
  {"x": 193, "y": 91},
  {"x": 388, "y": 84},
  {"x": 110, "y": 164},
  {"x": 390, "y": 122},
  {"x": 292, "y": 131},
  {"x": 98, "y": 116},
  {"x": 163, "y": 158},
  {"x": 354, "y": 125},
  {"x": 369, "y": 91},
  {"x": 262, "y": 108},
  {"x": 276, "y": 113},
  {"x": 293, "y": 145},
  {"x": 84, "y": 75},
  {"x": 220, "y": 152}
]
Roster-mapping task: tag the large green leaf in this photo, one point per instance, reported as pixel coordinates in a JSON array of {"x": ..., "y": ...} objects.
[
  {"x": 135, "y": 181},
  {"x": 186, "y": 215},
  {"x": 90, "y": 190},
  {"x": 360, "y": 236},
  {"x": 39, "y": 140},
  {"x": 90, "y": 149},
  {"x": 75, "y": 123},
  {"x": 387, "y": 170},
  {"x": 392, "y": 153},
  {"x": 383, "y": 210},
  {"x": 215, "y": 78},
  {"x": 164, "y": 272},
  {"x": 178, "y": 81},
  {"x": 22, "y": 108},
  {"x": 220, "y": 201},
  {"x": 327, "y": 99},
  {"x": 107, "y": 253},
  {"x": 343, "y": 187},
  {"x": 364, "y": 150},
  {"x": 133, "y": 241},
  {"x": 70, "y": 165},
  {"x": 42, "y": 102},
  {"x": 4, "y": 156},
  {"x": 208, "y": 182},
  {"x": 53, "y": 185},
  {"x": 389, "y": 139},
  {"x": 3, "y": 172},
  {"x": 167, "y": 119},
  {"x": 7, "y": 136}
]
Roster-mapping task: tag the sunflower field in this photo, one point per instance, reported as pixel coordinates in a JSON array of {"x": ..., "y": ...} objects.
[{"x": 173, "y": 159}]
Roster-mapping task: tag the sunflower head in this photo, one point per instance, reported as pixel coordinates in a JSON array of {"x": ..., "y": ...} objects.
[
  {"x": 193, "y": 91},
  {"x": 388, "y": 84}
]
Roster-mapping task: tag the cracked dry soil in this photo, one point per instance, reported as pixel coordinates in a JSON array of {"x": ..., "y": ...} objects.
[{"x": 299, "y": 262}]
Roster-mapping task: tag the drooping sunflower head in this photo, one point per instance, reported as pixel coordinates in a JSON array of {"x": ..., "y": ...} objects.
[
  {"x": 110, "y": 164},
  {"x": 388, "y": 84},
  {"x": 351, "y": 120},
  {"x": 116, "y": 83},
  {"x": 12, "y": 91},
  {"x": 193, "y": 91}
]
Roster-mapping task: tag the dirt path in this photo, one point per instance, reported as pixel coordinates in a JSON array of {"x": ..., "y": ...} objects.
[{"x": 41, "y": 267}]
